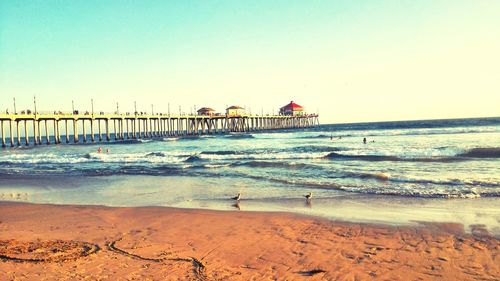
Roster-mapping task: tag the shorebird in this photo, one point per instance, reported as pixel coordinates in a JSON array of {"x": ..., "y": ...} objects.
[
  {"x": 237, "y": 205},
  {"x": 309, "y": 196},
  {"x": 237, "y": 198}
]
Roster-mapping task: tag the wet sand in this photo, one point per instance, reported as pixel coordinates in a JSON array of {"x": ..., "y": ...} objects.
[{"x": 54, "y": 242}]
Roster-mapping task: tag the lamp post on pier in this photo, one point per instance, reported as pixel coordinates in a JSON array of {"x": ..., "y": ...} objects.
[
  {"x": 34, "y": 103},
  {"x": 15, "y": 111}
]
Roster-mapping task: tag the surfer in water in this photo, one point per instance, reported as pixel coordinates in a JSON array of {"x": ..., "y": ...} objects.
[{"x": 364, "y": 140}]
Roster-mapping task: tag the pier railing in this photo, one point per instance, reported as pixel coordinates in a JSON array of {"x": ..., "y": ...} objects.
[{"x": 101, "y": 126}]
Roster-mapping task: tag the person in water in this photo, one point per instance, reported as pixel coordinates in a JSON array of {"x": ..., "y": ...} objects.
[
  {"x": 364, "y": 140},
  {"x": 99, "y": 150}
]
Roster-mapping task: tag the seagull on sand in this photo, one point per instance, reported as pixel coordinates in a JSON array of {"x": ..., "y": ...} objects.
[
  {"x": 237, "y": 198},
  {"x": 309, "y": 196},
  {"x": 237, "y": 205}
]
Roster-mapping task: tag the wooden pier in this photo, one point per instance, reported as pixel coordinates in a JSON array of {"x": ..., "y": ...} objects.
[{"x": 60, "y": 128}]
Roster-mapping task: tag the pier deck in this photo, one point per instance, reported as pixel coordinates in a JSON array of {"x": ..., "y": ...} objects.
[{"x": 104, "y": 126}]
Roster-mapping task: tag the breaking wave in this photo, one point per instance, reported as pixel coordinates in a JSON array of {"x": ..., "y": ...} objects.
[
  {"x": 482, "y": 152},
  {"x": 493, "y": 152},
  {"x": 239, "y": 136}
]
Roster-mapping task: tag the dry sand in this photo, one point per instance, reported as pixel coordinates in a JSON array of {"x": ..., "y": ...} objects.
[{"x": 48, "y": 242}]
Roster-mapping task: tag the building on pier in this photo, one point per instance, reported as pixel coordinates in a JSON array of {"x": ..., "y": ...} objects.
[
  {"x": 292, "y": 109},
  {"x": 235, "y": 110},
  {"x": 206, "y": 111}
]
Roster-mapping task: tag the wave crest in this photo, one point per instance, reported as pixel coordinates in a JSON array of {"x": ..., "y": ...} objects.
[{"x": 482, "y": 152}]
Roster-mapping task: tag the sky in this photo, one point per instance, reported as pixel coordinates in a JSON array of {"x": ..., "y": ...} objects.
[{"x": 349, "y": 61}]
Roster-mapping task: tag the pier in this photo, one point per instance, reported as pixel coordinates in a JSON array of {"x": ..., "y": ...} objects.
[{"x": 31, "y": 128}]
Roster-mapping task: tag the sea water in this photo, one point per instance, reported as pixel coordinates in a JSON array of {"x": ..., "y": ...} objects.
[{"x": 418, "y": 167}]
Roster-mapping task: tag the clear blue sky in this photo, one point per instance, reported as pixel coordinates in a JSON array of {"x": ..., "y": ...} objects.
[{"x": 351, "y": 60}]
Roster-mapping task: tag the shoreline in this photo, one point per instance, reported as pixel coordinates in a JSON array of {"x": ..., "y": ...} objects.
[
  {"x": 195, "y": 193},
  {"x": 165, "y": 243}
]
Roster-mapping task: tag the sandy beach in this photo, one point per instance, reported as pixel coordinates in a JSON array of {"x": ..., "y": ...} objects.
[{"x": 49, "y": 242}]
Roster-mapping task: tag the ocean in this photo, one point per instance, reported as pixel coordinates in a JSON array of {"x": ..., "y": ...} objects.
[{"x": 407, "y": 163}]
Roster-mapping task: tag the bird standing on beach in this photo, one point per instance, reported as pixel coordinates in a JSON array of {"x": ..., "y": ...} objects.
[
  {"x": 309, "y": 196},
  {"x": 237, "y": 198},
  {"x": 237, "y": 205}
]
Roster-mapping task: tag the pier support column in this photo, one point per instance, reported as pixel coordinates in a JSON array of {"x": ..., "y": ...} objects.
[
  {"x": 169, "y": 127},
  {"x": 120, "y": 135},
  {"x": 55, "y": 132},
  {"x": 26, "y": 137},
  {"x": 18, "y": 134},
  {"x": 114, "y": 129},
  {"x": 128, "y": 129},
  {"x": 160, "y": 132},
  {"x": 56, "y": 129},
  {"x": 134, "y": 131},
  {"x": 75, "y": 130},
  {"x": 11, "y": 135},
  {"x": 3, "y": 134},
  {"x": 58, "y": 132},
  {"x": 106, "y": 122},
  {"x": 157, "y": 127},
  {"x": 174, "y": 127},
  {"x": 154, "y": 128},
  {"x": 161, "y": 127},
  {"x": 92, "y": 139},
  {"x": 142, "y": 129},
  {"x": 47, "y": 140},
  {"x": 66, "y": 131},
  {"x": 139, "y": 129},
  {"x": 164, "y": 127},
  {"x": 35, "y": 140},
  {"x": 84, "y": 133},
  {"x": 177, "y": 129},
  {"x": 99, "y": 129},
  {"x": 39, "y": 130},
  {"x": 151, "y": 128},
  {"x": 119, "y": 123},
  {"x": 122, "y": 129}
]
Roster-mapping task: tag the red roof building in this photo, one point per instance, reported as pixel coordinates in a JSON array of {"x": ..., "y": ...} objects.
[
  {"x": 206, "y": 111},
  {"x": 292, "y": 109}
]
